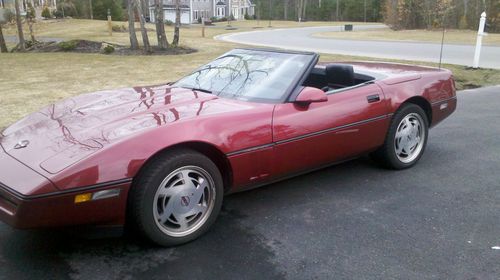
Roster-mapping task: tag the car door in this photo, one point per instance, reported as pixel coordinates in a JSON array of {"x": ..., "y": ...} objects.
[{"x": 351, "y": 122}]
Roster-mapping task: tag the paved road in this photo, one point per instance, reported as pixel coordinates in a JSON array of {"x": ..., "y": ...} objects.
[
  {"x": 438, "y": 220},
  {"x": 301, "y": 39}
]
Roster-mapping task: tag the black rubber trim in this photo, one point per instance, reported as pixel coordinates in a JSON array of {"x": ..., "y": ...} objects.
[
  {"x": 75, "y": 190},
  {"x": 251, "y": 149},
  {"x": 443, "y": 100},
  {"x": 331, "y": 129}
]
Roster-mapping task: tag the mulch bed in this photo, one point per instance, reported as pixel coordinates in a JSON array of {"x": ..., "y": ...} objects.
[
  {"x": 85, "y": 46},
  {"x": 156, "y": 51}
]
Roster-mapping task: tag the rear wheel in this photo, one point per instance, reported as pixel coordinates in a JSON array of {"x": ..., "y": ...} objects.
[
  {"x": 176, "y": 198},
  {"x": 406, "y": 139}
]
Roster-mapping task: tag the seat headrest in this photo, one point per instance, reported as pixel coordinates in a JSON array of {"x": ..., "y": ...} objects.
[{"x": 340, "y": 74}]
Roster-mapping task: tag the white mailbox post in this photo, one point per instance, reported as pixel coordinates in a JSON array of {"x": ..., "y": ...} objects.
[{"x": 479, "y": 40}]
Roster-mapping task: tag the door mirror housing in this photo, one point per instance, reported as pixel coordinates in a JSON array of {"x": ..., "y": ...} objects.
[{"x": 311, "y": 95}]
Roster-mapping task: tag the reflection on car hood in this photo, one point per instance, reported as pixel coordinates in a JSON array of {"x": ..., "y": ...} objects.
[{"x": 77, "y": 127}]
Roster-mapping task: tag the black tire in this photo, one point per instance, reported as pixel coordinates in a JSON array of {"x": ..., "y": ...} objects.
[
  {"x": 386, "y": 154},
  {"x": 141, "y": 198}
]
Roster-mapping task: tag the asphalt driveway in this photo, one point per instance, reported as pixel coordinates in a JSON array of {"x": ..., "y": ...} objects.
[
  {"x": 438, "y": 220},
  {"x": 301, "y": 39}
]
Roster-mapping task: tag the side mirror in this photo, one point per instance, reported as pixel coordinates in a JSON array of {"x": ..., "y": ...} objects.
[{"x": 311, "y": 95}]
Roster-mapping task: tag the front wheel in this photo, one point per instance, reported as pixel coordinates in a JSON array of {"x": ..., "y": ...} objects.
[
  {"x": 176, "y": 198},
  {"x": 406, "y": 139}
]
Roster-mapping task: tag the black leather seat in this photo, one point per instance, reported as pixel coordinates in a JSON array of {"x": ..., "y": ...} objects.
[{"x": 339, "y": 76}]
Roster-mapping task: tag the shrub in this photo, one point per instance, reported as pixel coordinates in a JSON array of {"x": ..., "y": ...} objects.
[
  {"x": 9, "y": 15},
  {"x": 169, "y": 22},
  {"x": 118, "y": 28},
  {"x": 108, "y": 49},
  {"x": 462, "y": 24},
  {"x": 46, "y": 13},
  {"x": 215, "y": 19},
  {"x": 58, "y": 14},
  {"x": 247, "y": 17},
  {"x": 68, "y": 45},
  {"x": 69, "y": 8},
  {"x": 199, "y": 20},
  {"x": 29, "y": 43},
  {"x": 30, "y": 14}
]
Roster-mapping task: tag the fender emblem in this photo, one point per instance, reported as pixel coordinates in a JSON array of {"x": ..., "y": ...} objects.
[{"x": 22, "y": 144}]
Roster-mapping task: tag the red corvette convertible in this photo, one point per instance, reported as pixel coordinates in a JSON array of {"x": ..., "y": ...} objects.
[{"x": 161, "y": 158}]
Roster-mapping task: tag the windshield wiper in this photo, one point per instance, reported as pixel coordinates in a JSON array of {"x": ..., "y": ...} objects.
[{"x": 201, "y": 89}]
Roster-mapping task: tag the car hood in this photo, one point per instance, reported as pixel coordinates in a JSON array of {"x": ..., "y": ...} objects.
[{"x": 78, "y": 127}]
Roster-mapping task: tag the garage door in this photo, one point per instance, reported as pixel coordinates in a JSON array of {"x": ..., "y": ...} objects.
[{"x": 170, "y": 15}]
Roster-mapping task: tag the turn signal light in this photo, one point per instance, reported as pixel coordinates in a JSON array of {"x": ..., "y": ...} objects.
[{"x": 84, "y": 197}]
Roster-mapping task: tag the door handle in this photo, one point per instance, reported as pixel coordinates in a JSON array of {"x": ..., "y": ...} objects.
[{"x": 373, "y": 98}]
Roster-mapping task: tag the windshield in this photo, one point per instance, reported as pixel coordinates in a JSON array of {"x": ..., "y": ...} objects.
[{"x": 251, "y": 75}]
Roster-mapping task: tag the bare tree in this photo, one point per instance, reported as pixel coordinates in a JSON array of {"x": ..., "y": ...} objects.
[
  {"x": 337, "y": 10},
  {"x": 304, "y": 7},
  {"x": 22, "y": 43},
  {"x": 285, "y": 10},
  {"x": 131, "y": 25},
  {"x": 3, "y": 46},
  {"x": 145, "y": 5},
  {"x": 144, "y": 32},
  {"x": 299, "y": 9},
  {"x": 175, "y": 41},
  {"x": 30, "y": 18},
  {"x": 160, "y": 25},
  {"x": 91, "y": 12}
]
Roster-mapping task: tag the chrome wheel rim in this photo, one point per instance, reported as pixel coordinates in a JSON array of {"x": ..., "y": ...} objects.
[
  {"x": 409, "y": 139},
  {"x": 184, "y": 201}
]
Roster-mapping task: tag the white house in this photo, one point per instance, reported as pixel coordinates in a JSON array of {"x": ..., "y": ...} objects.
[
  {"x": 194, "y": 10},
  {"x": 240, "y": 8}
]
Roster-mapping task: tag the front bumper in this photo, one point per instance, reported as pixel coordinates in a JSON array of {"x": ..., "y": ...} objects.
[
  {"x": 59, "y": 209},
  {"x": 29, "y": 200}
]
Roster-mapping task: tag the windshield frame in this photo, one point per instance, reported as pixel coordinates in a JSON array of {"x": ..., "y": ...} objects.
[{"x": 294, "y": 85}]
